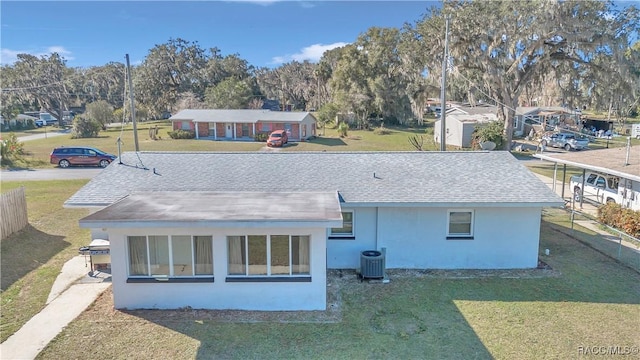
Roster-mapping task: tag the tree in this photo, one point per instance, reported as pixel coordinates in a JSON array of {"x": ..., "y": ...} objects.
[
  {"x": 85, "y": 128},
  {"x": 40, "y": 81},
  {"x": 513, "y": 43},
  {"x": 327, "y": 114},
  {"x": 101, "y": 112},
  {"x": 168, "y": 70},
  {"x": 231, "y": 93}
]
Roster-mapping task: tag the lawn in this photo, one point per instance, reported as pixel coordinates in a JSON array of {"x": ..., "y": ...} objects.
[
  {"x": 448, "y": 315},
  {"x": 37, "y": 151}
]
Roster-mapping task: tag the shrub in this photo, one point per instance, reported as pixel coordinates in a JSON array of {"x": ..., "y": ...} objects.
[
  {"x": 381, "y": 130},
  {"x": 182, "y": 134},
  {"x": 261, "y": 137},
  {"x": 493, "y": 132},
  {"x": 10, "y": 149},
  {"x": 85, "y": 128},
  {"x": 343, "y": 128},
  {"x": 626, "y": 220}
]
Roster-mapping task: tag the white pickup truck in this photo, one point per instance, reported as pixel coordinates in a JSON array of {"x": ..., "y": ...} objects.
[{"x": 603, "y": 188}]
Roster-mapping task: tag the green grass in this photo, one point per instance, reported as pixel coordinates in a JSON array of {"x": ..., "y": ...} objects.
[
  {"x": 37, "y": 151},
  {"x": 587, "y": 300},
  {"x": 33, "y": 257}
]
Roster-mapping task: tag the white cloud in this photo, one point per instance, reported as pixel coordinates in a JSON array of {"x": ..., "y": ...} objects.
[
  {"x": 9, "y": 56},
  {"x": 311, "y": 53}
]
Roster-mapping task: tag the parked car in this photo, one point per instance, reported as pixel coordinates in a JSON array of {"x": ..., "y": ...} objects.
[
  {"x": 80, "y": 155},
  {"x": 278, "y": 138},
  {"x": 40, "y": 123},
  {"x": 598, "y": 187},
  {"x": 567, "y": 141}
]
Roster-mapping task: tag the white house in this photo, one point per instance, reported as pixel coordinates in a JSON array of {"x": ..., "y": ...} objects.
[
  {"x": 259, "y": 230},
  {"x": 244, "y": 124}
]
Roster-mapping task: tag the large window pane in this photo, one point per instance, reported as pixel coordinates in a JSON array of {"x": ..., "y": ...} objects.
[
  {"x": 237, "y": 258},
  {"x": 159, "y": 255},
  {"x": 300, "y": 255},
  {"x": 181, "y": 252},
  {"x": 280, "y": 255},
  {"x": 138, "y": 255},
  {"x": 203, "y": 254},
  {"x": 257, "y": 254}
]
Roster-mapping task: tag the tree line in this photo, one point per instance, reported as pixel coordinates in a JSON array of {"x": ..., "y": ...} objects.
[{"x": 578, "y": 53}]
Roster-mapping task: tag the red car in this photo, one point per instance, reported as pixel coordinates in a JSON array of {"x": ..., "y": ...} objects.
[{"x": 278, "y": 138}]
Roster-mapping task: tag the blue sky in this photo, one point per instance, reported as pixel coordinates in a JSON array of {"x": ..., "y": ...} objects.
[{"x": 265, "y": 33}]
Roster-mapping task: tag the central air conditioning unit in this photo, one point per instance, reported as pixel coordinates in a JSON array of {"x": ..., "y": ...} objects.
[{"x": 372, "y": 264}]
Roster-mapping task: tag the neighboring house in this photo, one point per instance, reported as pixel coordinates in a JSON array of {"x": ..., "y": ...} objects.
[
  {"x": 459, "y": 127},
  {"x": 258, "y": 231},
  {"x": 549, "y": 117},
  {"x": 219, "y": 124}
]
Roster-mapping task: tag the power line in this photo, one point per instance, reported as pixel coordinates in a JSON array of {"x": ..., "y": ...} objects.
[{"x": 32, "y": 87}]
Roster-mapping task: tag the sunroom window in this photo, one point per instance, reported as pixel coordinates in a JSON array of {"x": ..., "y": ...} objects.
[
  {"x": 170, "y": 256},
  {"x": 268, "y": 255}
]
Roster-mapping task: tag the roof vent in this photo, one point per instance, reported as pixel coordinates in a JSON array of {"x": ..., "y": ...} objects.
[{"x": 372, "y": 264}]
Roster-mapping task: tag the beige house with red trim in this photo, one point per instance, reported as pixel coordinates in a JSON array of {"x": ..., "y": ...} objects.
[{"x": 244, "y": 124}]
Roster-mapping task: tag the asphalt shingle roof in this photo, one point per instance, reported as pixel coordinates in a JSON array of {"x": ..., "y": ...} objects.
[
  {"x": 240, "y": 116},
  {"x": 401, "y": 178}
]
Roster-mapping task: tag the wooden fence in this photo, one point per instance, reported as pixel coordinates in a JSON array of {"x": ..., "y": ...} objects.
[{"x": 13, "y": 212}]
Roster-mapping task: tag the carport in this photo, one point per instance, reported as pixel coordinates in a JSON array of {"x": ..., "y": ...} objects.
[{"x": 622, "y": 162}]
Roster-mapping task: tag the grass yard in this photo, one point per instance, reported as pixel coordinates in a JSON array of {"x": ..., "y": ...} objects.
[
  {"x": 33, "y": 257},
  {"x": 37, "y": 151}
]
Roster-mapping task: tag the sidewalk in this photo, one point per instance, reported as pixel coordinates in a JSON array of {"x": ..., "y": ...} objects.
[{"x": 73, "y": 291}]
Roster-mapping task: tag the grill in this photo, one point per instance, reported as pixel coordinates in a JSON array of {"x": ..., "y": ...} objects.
[{"x": 99, "y": 255}]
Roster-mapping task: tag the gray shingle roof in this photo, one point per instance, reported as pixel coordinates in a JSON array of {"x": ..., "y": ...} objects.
[
  {"x": 238, "y": 115},
  {"x": 401, "y": 178}
]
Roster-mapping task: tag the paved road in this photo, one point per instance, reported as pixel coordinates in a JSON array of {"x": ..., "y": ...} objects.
[
  {"x": 48, "y": 134},
  {"x": 50, "y": 174}
]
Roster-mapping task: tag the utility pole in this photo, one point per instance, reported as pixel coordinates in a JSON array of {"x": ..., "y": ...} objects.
[
  {"x": 443, "y": 90},
  {"x": 133, "y": 106}
]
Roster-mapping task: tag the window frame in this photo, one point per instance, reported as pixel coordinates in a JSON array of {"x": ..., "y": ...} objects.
[
  {"x": 171, "y": 277},
  {"x": 458, "y": 235},
  {"x": 268, "y": 276},
  {"x": 344, "y": 235}
]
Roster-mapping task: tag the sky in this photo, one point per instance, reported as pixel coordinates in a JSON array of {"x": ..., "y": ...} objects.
[{"x": 265, "y": 33}]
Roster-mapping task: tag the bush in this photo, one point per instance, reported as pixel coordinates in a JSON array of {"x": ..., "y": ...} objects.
[
  {"x": 10, "y": 149},
  {"x": 626, "y": 220},
  {"x": 182, "y": 134},
  {"x": 261, "y": 137},
  {"x": 381, "y": 130},
  {"x": 85, "y": 128},
  {"x": 343, "y": 128},
  {"x": 493, "y": 132}
]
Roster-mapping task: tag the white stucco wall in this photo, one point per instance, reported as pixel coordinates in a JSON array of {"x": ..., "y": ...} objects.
[
  {"x": 415, "y": 238},
  {"x": 270, "y": 296}
]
